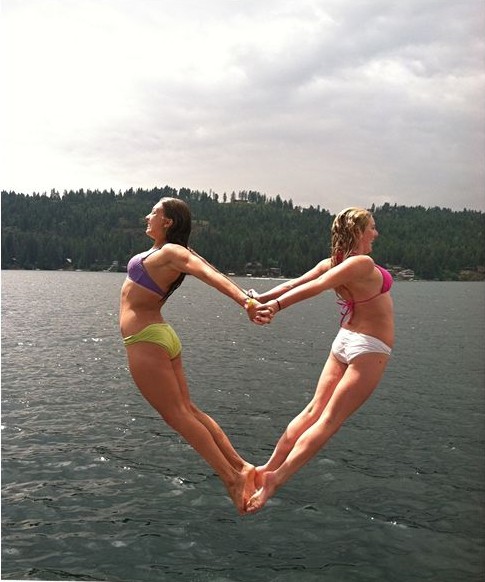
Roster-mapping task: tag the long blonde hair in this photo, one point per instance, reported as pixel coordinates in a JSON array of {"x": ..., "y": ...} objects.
[{"x": 346, "y": 228}]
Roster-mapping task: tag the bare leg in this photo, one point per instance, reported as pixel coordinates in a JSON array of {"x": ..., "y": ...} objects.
[
  {"x": 219, "y": 436},
  {"x": 329, "y": 378},
  {"x": 357, "y": 384},
  {"x": 159, "y": 382},
  {"x": 211, "y": 425}
]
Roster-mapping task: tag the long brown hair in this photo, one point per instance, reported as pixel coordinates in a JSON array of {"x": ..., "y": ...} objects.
[
  {"x": 179, "y": 231},
  {"x": 346, "y": 228},
  {"x": 179, "y": 212}
]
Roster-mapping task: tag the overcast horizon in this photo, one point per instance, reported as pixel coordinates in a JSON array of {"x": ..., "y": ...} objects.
[{"x": 329, "y": 103}]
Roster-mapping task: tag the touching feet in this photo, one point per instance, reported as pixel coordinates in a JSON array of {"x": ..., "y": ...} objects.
[
  {"x": 243, "y": 487},
  {"x": 266, "y": 488},
  {"x": 252, "y": 488}
]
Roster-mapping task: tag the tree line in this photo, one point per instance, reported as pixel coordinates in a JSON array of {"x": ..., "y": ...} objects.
[{"x": 242, "y": 233}]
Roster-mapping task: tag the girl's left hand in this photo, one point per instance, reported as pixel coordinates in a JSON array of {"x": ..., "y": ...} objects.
[
  {"x": 257, "y": 312},
  {"x": 252, "y": 293}
]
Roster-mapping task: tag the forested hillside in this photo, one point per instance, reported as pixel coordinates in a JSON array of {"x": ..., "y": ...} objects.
[{"x": 243, "y": 233}]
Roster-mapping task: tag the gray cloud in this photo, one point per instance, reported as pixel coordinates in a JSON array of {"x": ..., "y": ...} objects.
[{"x": 332, "y": 103}]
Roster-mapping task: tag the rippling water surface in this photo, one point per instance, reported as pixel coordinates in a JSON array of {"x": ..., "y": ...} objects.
[{"x": 96, "y": 487}]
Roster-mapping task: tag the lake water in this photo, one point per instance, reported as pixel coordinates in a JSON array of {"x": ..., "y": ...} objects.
[{"x": 97, "y": 487}]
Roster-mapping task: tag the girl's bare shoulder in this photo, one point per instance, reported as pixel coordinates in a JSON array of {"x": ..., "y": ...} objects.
[
  {"x": 359, "y": 265},
  {"x": 171, "y": 251},
  {"x": 364, "y": 261}
]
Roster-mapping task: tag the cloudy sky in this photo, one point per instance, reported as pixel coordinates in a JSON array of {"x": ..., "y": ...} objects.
[{"x": 327, "y": 102}]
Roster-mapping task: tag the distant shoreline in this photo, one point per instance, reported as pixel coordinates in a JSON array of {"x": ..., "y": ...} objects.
[{"x": 470, "y": 277}]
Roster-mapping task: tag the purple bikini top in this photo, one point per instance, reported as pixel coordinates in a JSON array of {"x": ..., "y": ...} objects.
[
  {"x": 138, "y": 274},
  {"x": 347, "y": 305}
]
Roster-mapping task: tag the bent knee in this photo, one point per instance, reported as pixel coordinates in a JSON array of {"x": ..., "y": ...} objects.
[{"x": 313, "y": 411}]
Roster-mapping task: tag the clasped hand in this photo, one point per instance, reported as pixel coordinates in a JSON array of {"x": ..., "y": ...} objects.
[{"x": 259, "y": 313}]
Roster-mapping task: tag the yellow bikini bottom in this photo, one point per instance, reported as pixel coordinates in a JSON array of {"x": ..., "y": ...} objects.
[{"x": 161, "y": 334}]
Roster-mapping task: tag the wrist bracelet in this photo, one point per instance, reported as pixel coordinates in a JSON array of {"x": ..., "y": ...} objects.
[{"x": 279, "y": 306}]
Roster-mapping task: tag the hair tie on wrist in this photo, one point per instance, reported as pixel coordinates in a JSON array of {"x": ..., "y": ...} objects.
[{"x": 279, "y": 306}]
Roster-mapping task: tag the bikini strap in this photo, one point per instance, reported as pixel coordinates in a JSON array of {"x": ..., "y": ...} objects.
[{"x": 347, "y": 306}]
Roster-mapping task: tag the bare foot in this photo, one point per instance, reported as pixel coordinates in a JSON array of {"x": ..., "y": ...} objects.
[
  {"x": 267, "y": 490},
  {"x": 258, "y": 477},
  {"x": 243, "y": 486},
  {"x": 249, "y": 471}
]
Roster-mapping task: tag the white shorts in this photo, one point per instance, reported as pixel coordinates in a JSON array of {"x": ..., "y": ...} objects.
[{"x": 350, "y": 344}]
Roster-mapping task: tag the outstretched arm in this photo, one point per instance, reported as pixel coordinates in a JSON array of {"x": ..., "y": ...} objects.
[
  {"x": 181, "y": 259},
  {"x": 353, "y": 268},
  {"x": 318, "y": 270}
]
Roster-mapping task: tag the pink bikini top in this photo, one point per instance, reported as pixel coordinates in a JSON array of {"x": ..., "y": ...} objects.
[
  {"x": 137, "y": 273},
  {"x": 347, "y": 305}
]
